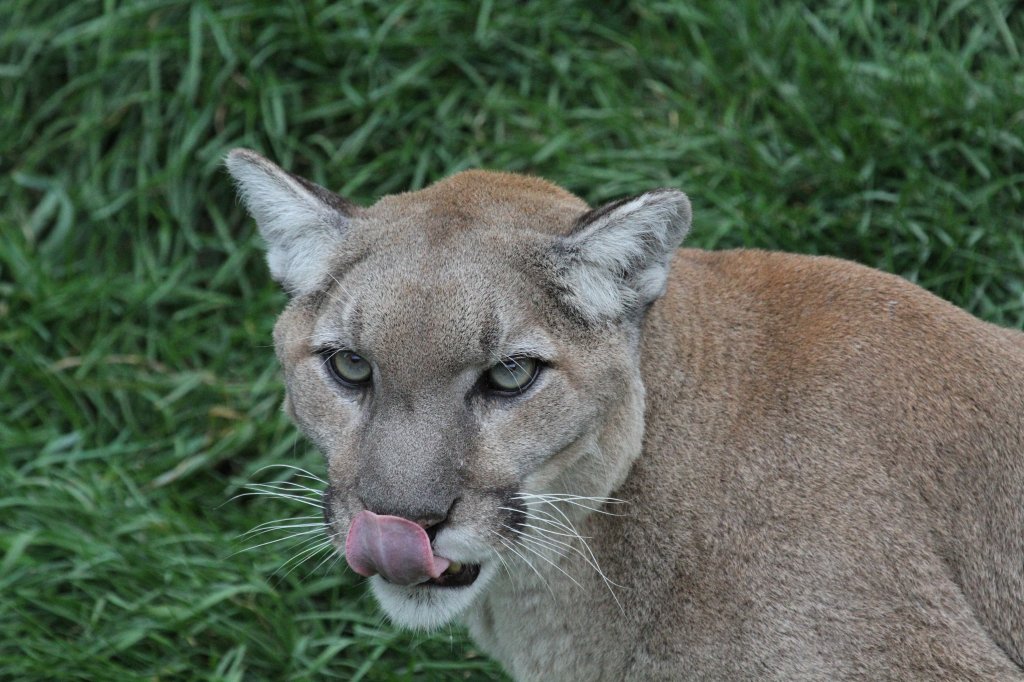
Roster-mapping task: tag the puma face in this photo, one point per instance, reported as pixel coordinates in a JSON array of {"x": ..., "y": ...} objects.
[{"x": 457, "y": 354}]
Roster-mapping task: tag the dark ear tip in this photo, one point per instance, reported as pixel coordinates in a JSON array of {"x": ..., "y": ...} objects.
[
  {"x": 242, "y": 155},
  {"x": 681, "y": 201},
  {"x": 675, "y": 194},
  {"x": 664, "y": 196}
]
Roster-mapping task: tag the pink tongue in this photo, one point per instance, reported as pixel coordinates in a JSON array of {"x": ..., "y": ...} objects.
[{"x": 396, "y": 548}]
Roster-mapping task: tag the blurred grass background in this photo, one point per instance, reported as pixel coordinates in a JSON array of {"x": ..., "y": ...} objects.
[{"x": 138, "y": 389}]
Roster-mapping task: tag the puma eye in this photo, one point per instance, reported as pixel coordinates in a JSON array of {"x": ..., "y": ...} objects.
[
  {"x": 512, "y": 375},
  {"x": 350, "y": 368}
]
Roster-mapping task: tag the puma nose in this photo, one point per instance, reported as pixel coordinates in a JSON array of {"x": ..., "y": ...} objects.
[{"x": 430, "y": 520}]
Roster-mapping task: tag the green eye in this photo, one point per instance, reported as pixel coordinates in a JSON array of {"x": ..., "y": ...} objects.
[
  {"x": 350, "y": 368},
  {"x": 513, "y": 374}
]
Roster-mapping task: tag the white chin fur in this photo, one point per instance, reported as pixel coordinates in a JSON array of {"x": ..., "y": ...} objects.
[{"x": 428, "y": 608}]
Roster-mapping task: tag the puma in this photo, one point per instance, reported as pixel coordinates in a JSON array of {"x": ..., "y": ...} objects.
[{"x": 612, "y": 459}]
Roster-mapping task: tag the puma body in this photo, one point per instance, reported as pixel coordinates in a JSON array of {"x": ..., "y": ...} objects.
[
  {"x": 735, "y": 465},
  {"x": 831, "y": 486}
]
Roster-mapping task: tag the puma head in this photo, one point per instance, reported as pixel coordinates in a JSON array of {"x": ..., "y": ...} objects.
[{"x": 456, "y": 354}]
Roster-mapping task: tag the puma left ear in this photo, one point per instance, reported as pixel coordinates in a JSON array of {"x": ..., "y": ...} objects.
[
  {"x": 618, "y": 254},
  {"x": 301, "y": 222}
]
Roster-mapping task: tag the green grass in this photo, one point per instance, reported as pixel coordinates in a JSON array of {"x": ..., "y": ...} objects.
[{"x": 138, "y": 389}]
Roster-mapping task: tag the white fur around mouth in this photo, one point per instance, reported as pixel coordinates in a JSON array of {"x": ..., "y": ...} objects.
[{"x": 427, "y": 606}]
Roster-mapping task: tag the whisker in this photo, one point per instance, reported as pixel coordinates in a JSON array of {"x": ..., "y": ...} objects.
[
  {"x": 569, "y": 496},
  {"x": 551, "y": 521},
  {"x": 304, "y": 472},
  {"x": 337, "y": 559},
  {"x": 270, "y": 542},
  {"x": 309, "y": 555},
  {"x": 541, "y": 556},
  {"x": 561, "y": 513},
  {"x": 285, "y": 520},
  {"x": 592, "y": 561},
  {"x": 534, "y": 500},
  {"x": 295, "y": 489},
  {"x": 336, "y": 555},
  {"x": 260, "y": 531},
  {"x": 573, "y": 532},
  {"x": 526, "y": 537},
  {"x": 554, "y": 542},
  {"x": 578, "y": 535},
  {"x": 296, "y": 498},
  {"x": 305, "y": 554},
  {"x": 512, "y": 549},
  {"x": 288, "y": 487},
  {"x": 508, "y": 571}
]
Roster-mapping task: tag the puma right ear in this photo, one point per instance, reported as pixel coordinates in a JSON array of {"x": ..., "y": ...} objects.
[
  {"x": 300, "y": 221},
  {"x": 615, "y": 259}
]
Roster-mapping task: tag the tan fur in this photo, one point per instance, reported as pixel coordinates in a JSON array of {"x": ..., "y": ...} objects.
[{"x": 824, "y": 464}]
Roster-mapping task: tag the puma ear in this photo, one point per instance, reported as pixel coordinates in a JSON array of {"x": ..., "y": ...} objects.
[
  {"x": 299, "y": 221},
  {"x": 617, "y": 255}
]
